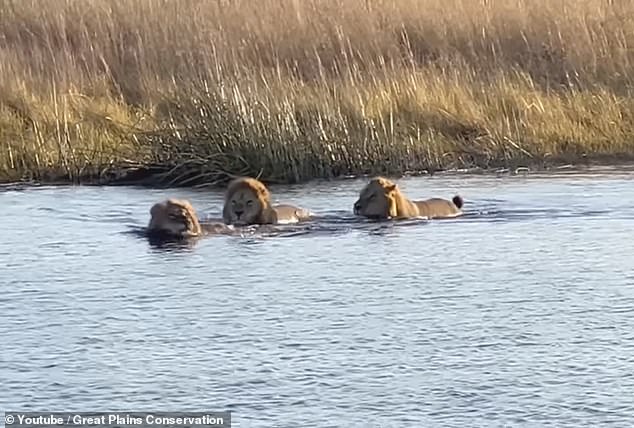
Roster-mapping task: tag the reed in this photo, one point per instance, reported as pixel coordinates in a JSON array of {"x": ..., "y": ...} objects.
[{"x": 195, "y": 91}]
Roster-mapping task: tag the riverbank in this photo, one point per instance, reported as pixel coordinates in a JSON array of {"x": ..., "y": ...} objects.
[{"x": 183, "y": 93}]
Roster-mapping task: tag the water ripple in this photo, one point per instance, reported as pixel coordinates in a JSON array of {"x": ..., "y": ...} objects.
[{"x": 517, "y": 314}]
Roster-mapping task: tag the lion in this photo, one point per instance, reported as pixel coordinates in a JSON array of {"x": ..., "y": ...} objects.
[
  {"x": 176, "y": 218},
  {"x": 248, "y": 202},
  {"x": 382, "y": 199}
]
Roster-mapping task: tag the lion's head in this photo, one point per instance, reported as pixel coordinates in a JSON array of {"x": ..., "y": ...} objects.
[
  {"x": 247, "y": 201},
  {"x": 174, "y": 218},
  {"x": 382, "y": 199},
  {"x": 377, "y": 199}
]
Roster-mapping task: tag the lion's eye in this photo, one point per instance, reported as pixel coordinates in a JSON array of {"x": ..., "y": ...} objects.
[
  {"x": 371, "y": 197},
  {"x": 233, "y": 203},
  {"x": 249, "y": 203}
]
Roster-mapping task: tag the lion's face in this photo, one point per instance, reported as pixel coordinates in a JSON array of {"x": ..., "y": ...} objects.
[
  {"x": 244, "y": 207},
  {"x": 245, "y": 202},
  {"x": 175, "y": 218},
  {"x": 377, "y": 199}
]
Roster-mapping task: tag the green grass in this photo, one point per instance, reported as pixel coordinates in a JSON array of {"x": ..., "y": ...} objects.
[{"x": 187, "y": 91}]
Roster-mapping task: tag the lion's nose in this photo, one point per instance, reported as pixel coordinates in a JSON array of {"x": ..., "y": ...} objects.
[{"x": 239, "y": 213}]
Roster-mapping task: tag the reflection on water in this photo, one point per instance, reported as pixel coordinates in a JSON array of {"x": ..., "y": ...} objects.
[{"x": 517, "y": 314}]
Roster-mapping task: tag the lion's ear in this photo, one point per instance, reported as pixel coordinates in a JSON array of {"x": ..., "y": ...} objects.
[
  {"x": 391, "y": 187},
  {"x": 156, "y": 208}
]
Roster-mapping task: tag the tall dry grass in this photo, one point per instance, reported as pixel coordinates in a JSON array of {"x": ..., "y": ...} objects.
[{"x": 295, "y": 89}]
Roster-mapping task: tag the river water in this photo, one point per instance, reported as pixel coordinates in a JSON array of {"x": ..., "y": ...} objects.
[{"x": 520, "y": 313}]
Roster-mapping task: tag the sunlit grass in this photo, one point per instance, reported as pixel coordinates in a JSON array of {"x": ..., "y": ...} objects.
[{"x": 292, "y": 90}]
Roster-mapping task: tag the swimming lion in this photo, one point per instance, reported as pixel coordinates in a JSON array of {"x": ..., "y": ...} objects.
[
  {"x": 176, "y": 218},
  {"x": 248, "y": 201},
  {"x": 382, "y": 199}
]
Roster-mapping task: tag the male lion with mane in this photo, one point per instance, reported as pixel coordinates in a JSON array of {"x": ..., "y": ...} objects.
[
  {"x": 248, "y": 201},
  {"x": 176, "y": 218},
  {"x": 382, "y": 199}
]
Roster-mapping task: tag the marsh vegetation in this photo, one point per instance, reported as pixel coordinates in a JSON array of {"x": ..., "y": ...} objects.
[{"x": 195, "y": 91}]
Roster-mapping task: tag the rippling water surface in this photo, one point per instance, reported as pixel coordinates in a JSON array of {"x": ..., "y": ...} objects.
[{"x": 521, "y": 313}]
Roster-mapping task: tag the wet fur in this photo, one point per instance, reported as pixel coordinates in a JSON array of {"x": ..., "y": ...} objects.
[
  {"x": 174, "y": 217},
  {"x": 177, "y": 218},
  {"x": 252, "y": 200},
  {"x": 381, "y": 198}
]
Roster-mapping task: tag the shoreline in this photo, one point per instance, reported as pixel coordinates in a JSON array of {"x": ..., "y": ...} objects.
[{"x": 605, "y": 165}]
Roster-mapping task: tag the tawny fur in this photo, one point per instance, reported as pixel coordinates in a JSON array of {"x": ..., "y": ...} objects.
[
  {"x": 174, "y": 217},
  {"x": 178, "y": 218},
  {"x": 381, "y": 198},
  {"x": 248, "y": 201}
]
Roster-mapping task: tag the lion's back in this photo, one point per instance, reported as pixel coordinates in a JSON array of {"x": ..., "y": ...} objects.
[
  {"x": 285, "y": 213},
  {"x": 437, "y": 208}
]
